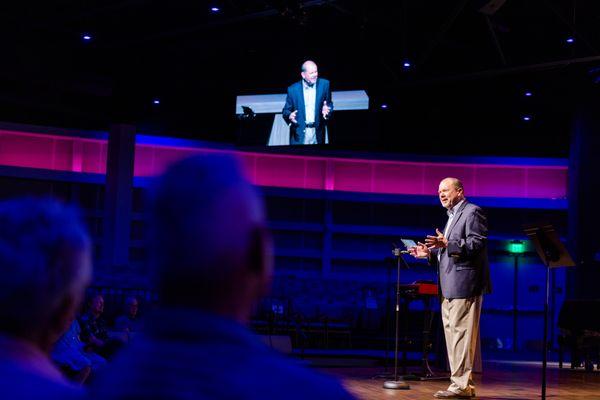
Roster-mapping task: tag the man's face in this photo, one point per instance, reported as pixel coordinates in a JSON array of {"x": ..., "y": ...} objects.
[
  {"x": 133, "y": 307},
  {"x": 97, "y": 305},
  {"x": 310, "y": 73},
  {"x": 448, "y": 193}
]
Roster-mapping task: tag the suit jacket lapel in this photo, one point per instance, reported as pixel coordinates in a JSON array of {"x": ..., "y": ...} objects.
[
  {"x": 456, "y": 217},
  {"x": 301, "y": 106},
  {"x": 317, "y": 97}
]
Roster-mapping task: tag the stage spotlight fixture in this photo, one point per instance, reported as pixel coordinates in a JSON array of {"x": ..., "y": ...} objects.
[
  {"x": 86, "y": 36},
  {"x": 570, "y": 40},
  {"x": 215, "y": 9},
  {"x": 156, "y": 102},
  {"x": 526, "y": 118},
  {"x": 384, "y": 106},
  {"x": 406, "y": 64},
  {"x": 528, "y": 94}
]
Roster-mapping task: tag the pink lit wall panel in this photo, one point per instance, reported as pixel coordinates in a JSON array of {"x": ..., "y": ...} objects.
[
  {"x": 399, "y": 178},
  {"x": 353, "y": 176},
  {"x": 249, "y": 163},
  {"x": 60, "y": 153},
  {"x": 280, "y": 171},
  {"x": 143, "y": 164},
  {"x": 62, "y": 157},
  {"x": 434, "y": 173},
  {"x": 35, "y": 152},
  {"x": 502, "y": 179},
  {"x": 500, "y": 182},
  {"x": 546, "y": 183},
  {"x": 316, "y": 173},
  {"x": 93, "y": 157},
  {"x": 152, "y": 160}
]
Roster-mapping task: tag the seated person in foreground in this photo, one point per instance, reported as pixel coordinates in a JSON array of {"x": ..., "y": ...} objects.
[
  {"x": 211, "y": 254},
  {"x": 45, "y": 265}
]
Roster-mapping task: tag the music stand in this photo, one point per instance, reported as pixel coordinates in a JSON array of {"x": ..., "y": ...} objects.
[{"x": 554, "y": 255}]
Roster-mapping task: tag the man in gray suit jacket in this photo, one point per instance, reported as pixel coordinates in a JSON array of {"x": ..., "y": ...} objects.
[{"x": 460, "y": 253}]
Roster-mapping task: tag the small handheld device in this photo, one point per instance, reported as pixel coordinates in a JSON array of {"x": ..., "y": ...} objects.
[{"x": 408, "y": 243}]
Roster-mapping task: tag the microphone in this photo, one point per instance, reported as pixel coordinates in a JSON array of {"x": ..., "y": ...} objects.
[{"x": 397, "y": 252}]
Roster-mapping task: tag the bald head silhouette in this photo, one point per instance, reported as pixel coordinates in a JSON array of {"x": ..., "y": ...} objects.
[{"x": 208, "y": 238}]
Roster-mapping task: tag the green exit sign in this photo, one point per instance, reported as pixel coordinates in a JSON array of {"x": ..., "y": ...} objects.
[{"x": 516, "y": 247}]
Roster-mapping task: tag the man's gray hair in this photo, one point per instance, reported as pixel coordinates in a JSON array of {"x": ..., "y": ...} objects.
[
  {"x": 303, "y": 68},
  {"x": 41, "y": 247},
  {"x": 456, "y": 183}
]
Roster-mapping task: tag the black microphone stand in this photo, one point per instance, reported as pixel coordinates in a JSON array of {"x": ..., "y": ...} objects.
[{"x": 397, "y": 383}]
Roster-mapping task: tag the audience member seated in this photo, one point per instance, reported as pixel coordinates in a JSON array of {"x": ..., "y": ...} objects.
[
  {"x": 211, "y": 256},
  {"x": 45, "y": 265},
  {"x": 94, "y": 330},
  {"x": 129, "y": 323},
  {"x": 69, "y": 354}
]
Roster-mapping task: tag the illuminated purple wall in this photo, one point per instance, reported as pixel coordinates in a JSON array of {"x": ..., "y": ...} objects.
[{"x": 500, "y": 179}]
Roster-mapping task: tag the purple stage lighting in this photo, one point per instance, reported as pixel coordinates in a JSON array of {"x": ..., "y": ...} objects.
[
  {"x": 526, "y": 118},
  {"x": 156, "y": 102},
  {"x": 215, "y": 9},
  {"x": 406, "y": 64},
  {"x": 570, "y": 40},
  {"x": 86, "y": 37},
  {"x": 494, "y": 178},
  {"x": 384, "y": 106},
  {"x": 528, "y": 94}
]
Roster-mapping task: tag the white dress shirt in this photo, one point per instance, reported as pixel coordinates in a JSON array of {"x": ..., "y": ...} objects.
[
  {"x": 451, "y": 212},
  {"x": 310, "y": 95}
]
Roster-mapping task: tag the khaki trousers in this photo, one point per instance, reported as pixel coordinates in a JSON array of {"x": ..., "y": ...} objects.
[{"x": 461, "y": 328}]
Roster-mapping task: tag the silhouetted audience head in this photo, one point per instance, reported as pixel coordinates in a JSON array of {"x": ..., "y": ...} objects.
[
  {"x": 211, "y": 253},
  {"x": 45, "y": 265},
  {"x": 96, "y": 305},
  {"x": 129, "y": 322},
  {"x": 131, "y": 306},
  {"x": 208, "y": 237}
]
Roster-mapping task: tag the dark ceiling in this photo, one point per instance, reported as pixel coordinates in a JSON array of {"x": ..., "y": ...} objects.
[{"x": 469, "y": 70}]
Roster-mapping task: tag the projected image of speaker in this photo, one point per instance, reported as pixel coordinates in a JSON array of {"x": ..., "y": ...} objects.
[{"x": 260, "y": 120}]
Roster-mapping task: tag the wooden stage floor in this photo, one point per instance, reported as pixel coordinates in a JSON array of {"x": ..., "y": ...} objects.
[{"x": 500, "y": 380}]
